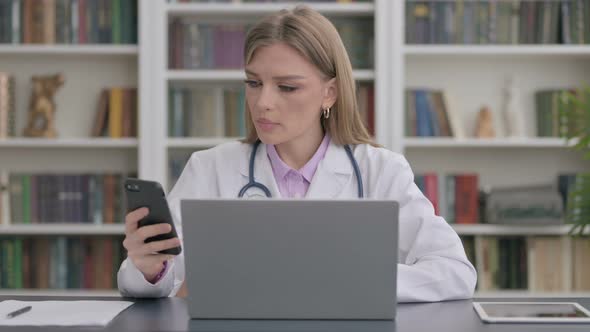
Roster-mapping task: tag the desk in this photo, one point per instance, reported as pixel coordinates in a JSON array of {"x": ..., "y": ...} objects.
[{"x": 170, "y": 314}]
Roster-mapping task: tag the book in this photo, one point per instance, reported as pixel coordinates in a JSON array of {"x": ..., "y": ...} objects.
[
  {"x": 548, "y": 262},
  {"x": 502, "y": 262},
  {"x": 116, "y": 113},
  {"x": 4, "y": 198},
  {"x": 101, "y": 115},
  {"x": 215, "y": 111},
  {"x": 429, "y": 114},
  {"x": 466, "y": 199},
  {"x": 581, "y": 269},
  {"x": 454, "y": 197},
  {"x": 7, "y": 106}
]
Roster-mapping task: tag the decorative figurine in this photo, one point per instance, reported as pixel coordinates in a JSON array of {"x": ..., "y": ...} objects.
[
  {"x": 485, "y": 124},
  {"x": 513, "y": 112},
  {"x": 41, "y": 121}
]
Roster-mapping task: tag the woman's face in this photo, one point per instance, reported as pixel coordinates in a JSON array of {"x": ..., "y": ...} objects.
[{"x": 285, "y": 94}]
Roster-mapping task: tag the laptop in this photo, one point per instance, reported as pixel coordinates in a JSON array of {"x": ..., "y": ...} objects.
[{"x": 290, "y": 259}]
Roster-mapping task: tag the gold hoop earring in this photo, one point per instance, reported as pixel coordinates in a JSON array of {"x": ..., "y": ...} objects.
[{"x": 326, "y": 112}]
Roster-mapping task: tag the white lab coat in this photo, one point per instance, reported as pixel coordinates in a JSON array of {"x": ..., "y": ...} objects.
[{"x": 432, "y": 263}]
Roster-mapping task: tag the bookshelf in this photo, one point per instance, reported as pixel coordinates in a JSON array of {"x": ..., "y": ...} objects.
[
  {"x": 474, "y": 75},
  {"x": 221, "y": 75},
  {"x": 61, "y": 293},
  {"x": 520, "y": 143},
  {"x": 90, "y": 143},
  {"x": 62, "y": 229},
  {"x": 505, "y": 230},
  {"x": 526, "y": 294},
  {"x": 397, "y": 65},
  {"x": 567, "y": 51},
  {"x": 198, "y": 142},
  {"x": 257, "y": 9},
  {"x": 79, "y": 50},
  {"x": 166, "y": 12},
  {"x": 88, "y": 67}
]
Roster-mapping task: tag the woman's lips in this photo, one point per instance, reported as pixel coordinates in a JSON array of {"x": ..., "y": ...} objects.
[{"x": 266, "y": 125}]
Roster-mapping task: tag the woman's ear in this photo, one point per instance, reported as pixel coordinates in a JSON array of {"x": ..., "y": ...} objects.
[{"x": 330, "y": 93}]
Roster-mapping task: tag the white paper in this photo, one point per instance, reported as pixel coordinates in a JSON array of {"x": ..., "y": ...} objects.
[{"x": 62, "y": 313}]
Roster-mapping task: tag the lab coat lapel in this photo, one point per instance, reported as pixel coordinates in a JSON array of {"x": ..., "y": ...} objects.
[
  {"x": 262, "y": 172},
  {"x": 333, "y": 174}
]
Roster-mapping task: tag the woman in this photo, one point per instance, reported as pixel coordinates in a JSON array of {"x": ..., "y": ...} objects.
[{"x": 300, "y": 97}]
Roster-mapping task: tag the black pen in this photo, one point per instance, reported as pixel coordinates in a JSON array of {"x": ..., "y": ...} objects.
[{"x": 18, "y": 312}]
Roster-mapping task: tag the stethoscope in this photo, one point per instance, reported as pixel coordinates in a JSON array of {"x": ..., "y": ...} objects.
[{"x": 253, "y": 184}]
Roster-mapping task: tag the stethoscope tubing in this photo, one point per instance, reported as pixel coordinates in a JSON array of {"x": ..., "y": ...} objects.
[{"x": 253, "y": 184}]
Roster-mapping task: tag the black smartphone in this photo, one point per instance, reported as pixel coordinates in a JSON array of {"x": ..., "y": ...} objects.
[{"x": 143, "y": 193}]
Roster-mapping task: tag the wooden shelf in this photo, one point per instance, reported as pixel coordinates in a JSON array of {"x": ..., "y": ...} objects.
[
  {"x": 62, "y": 229},
  {"x": 258, "y": 9},
  {"x": 498, "y": 50},
  {"x": 21, "y": 142},
  {"x": 65, "y": 49},
  {"x": 489, "y": 229},
  {"x": 449, "y": 142},
  {"x": 224, "y": 75},
  {"x": 61, "y": 292},
  {"x": 195, "y": 142},
  {"x": 527, "y": 293}
]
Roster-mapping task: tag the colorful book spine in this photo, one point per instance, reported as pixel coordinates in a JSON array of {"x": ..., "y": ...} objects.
[
  {"x": 68, "y": 21},
  {"x": 116, "y": 113},
  {"x": 60, "y": 262},
  {"x": 61, "y": 198},
  {"x": 7, "y": 106},
  {"x": 428, "y": 114},
  {"x": 498, "y": 22}
]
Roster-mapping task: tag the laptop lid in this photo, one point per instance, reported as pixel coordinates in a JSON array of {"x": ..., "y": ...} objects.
[{"x": 290, "y": 259}]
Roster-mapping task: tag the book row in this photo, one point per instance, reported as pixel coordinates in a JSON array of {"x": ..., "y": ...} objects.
[
  {"x": 68, "y": 22},
  {"x": 60, "y": 262},
  {"x": 62, "y": 198},
  {"x": 498, "y": 22}
]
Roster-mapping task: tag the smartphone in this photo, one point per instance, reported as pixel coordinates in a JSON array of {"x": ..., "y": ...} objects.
[{"x": 143, "y": 193}]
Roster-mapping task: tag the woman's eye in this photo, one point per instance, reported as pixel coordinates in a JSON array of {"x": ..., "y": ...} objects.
[
  {"x": 286, "y": 88},
  {"x": 252, "y": 83}
]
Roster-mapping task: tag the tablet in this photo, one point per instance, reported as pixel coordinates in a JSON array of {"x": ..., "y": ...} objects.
[{"x": 532, "y": 312}]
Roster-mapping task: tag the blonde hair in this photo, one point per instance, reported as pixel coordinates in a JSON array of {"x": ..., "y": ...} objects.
[{"x": 316, "y": 39}]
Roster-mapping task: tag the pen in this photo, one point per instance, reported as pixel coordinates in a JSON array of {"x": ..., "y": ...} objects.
[{"x": 18, "y": 312}]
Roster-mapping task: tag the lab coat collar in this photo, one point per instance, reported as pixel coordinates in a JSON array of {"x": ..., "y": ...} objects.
[
  {"x": 262, "y": 170},
  {"x": 329, "y": 180},
  {"x": 332, "y": 175}
]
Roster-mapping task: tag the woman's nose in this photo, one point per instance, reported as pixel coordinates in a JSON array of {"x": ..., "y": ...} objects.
[{"x": 266, "y": 98}]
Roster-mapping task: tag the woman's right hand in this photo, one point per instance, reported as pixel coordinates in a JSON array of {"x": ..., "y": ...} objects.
[{"x": 145, "y": 256}]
